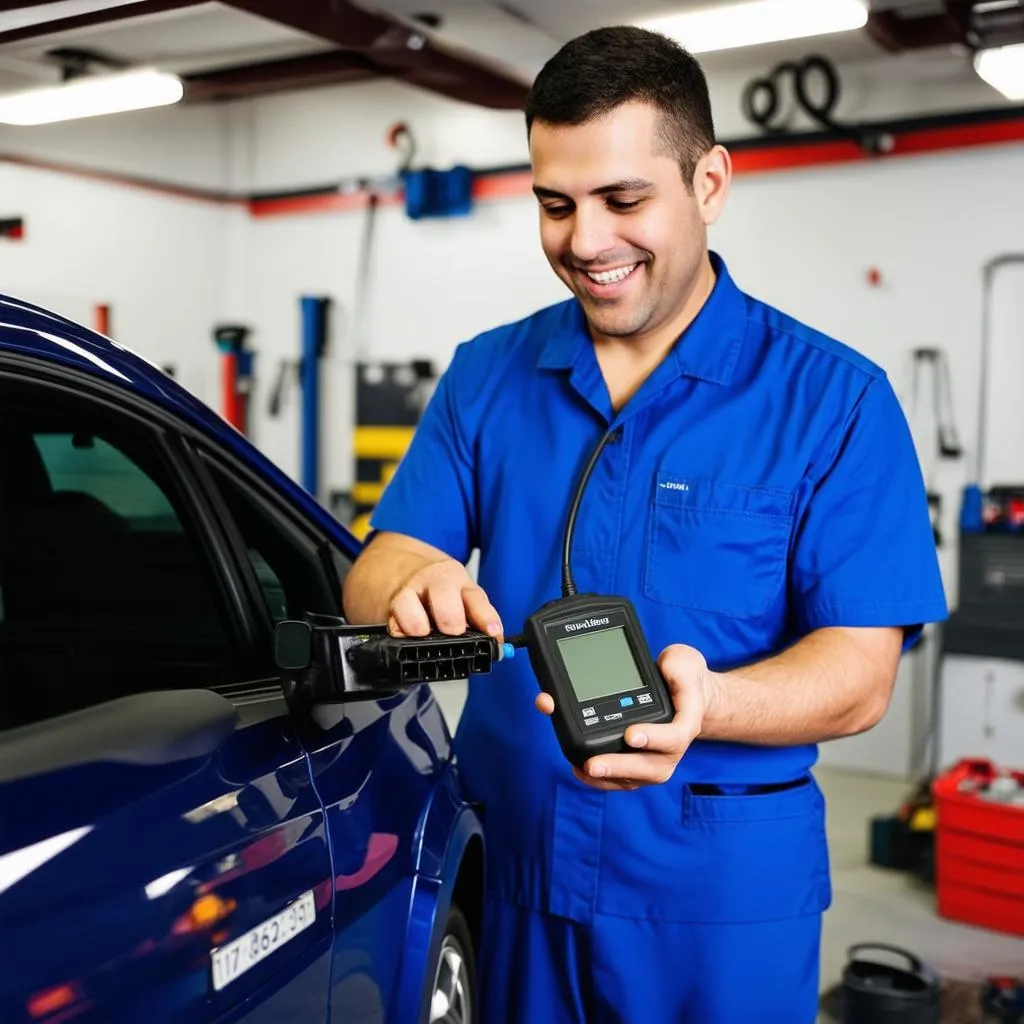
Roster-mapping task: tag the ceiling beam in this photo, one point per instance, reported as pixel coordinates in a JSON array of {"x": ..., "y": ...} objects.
[
  {"x": 120, "y": 13},
  {"x": 396, "y": 51},
  {"x": 895, "y": 33}
]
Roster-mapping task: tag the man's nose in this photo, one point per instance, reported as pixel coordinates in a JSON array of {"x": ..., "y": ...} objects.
[{"x": 592, "y": 235}]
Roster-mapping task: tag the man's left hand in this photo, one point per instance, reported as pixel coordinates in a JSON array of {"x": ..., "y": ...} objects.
[{"x": 693, "y": 687}]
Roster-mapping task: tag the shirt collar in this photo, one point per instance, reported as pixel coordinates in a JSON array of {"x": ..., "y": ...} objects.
[{"x": 707, "y": 350}]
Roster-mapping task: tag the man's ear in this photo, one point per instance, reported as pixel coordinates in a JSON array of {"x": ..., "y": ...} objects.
[{"x": 711, "y": 183}]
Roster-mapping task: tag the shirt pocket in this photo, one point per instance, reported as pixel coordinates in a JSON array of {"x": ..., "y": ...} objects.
[
  {"x": 715, "y": 546},
  {"x": 765, "y": 855},
  {"x": 673, "y": 854}
]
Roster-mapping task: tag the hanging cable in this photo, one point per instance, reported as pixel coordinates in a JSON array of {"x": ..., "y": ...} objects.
[{"x": 760, "y": 102}]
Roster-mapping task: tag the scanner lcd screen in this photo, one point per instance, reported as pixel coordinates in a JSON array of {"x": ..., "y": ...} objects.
[{"x": 600, "y": 664}]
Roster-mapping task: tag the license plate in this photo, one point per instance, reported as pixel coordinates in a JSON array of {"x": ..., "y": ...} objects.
[{"x": 234, "y": 959}]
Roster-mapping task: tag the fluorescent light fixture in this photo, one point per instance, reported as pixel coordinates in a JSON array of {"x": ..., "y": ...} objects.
[
  {"x": 1003, "y": 69},
  {"x": 729, "y": 26},
  {"x": 90, "y": 96}
]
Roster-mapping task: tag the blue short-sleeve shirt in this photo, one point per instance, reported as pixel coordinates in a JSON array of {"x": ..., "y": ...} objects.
[{"x": 764, "y": 484}]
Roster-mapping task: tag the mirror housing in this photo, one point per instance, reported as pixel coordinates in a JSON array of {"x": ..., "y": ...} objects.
[{"x": 313, "y": 657}]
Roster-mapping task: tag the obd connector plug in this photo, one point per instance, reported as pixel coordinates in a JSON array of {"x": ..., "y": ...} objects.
[
  {"x": 324, "y": 660},
  {"x": 409, "y": 660}
]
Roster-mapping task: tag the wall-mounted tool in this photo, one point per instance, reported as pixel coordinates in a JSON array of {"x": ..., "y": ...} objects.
[
  {"x": 430, "y": 192},
  {"x": 236, "y": 374}
]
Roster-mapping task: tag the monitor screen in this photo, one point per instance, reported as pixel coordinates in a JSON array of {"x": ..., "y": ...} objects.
[{"x": 600, "y": 664}]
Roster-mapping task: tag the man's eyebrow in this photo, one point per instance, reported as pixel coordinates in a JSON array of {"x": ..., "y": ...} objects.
[{"x": 625, "y": 185}]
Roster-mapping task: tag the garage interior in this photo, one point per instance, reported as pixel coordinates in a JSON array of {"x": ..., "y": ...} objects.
[{"x": 342, "y": 194}]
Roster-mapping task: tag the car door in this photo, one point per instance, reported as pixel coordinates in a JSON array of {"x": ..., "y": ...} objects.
[
  {"x": 378, "y": 764},
  {"x": 163, "y": 853}
]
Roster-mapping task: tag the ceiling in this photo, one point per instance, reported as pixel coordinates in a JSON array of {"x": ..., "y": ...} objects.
[{"x": 482, "y": 51}]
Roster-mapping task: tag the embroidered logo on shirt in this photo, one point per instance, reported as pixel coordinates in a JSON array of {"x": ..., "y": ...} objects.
[{"x": 671, "y": 485}]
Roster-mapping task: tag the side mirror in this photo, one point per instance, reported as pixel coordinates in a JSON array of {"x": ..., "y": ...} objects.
[{"x": 313, "y": 655}]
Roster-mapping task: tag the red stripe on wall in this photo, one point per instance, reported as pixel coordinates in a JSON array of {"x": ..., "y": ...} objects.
[
  {"x": 112, "y": 178},
  {"x": 745, "y": 161},
  {"x": 319, "y": 203},
  {"x": 961, "y": 136},
  {"x": 518, "y": 183}
]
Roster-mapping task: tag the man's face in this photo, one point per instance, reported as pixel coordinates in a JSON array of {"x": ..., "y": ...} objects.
[{"x": 618, "y": 223}]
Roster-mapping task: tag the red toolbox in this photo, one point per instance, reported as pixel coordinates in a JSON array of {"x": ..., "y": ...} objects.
[{"x": 979, "y": 846}]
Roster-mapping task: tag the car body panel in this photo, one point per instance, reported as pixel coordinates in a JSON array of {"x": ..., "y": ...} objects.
[{"x": 158, "y": 865}]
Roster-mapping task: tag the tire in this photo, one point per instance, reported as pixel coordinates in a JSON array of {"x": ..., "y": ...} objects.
[{"x": 452, "y": 997}]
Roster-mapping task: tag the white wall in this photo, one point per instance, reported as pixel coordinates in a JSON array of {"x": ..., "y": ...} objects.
[
  {"x": 179, "y": 145},
  {"x": 159, "y": 261}
]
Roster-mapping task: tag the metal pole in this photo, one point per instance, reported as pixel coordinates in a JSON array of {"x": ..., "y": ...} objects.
[
  {"x": 314, "y": 333},
  {"x": 988, "y": 278}
]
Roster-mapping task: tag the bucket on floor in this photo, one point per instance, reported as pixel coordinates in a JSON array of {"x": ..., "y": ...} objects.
[{"x": 876, "y": 992}]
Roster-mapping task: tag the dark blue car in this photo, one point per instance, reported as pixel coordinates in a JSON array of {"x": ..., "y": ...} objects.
[{"x": 178, "y": 842}]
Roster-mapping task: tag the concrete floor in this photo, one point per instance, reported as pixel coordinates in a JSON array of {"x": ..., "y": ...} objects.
[{"x": 871, "y": 904}]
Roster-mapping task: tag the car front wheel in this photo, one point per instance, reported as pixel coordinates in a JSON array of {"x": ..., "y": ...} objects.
[{"x": 453, "y": 995}]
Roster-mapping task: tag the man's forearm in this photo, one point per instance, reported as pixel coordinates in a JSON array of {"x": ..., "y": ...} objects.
[{"x": 833, "y": 682}]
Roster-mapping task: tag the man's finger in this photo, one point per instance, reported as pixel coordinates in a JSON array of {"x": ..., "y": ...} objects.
[
  {"x": 605, "y": 785},
  {"x": 481, "y": 613},
  {"x": 409, "y": 614},
  {"x": 545, "y": 704},
  {"x": 651, "y": 769},
  {"x": 447, "y": 609}
]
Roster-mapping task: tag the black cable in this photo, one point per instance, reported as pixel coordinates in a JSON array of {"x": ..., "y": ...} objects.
[
  {"x": 760, "y": 101},
  {"x": 568, "y": 583}
]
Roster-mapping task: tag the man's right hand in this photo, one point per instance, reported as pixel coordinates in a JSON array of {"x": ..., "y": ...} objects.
[{"x": 442, "y": 593}]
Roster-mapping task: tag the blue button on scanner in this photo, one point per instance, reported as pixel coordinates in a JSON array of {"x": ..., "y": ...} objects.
[{"x": 625, "y": 702}]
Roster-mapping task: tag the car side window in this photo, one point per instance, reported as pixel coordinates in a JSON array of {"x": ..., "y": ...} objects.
[
  {"x": 296, "y": 573},
  {"x": 87, "y": 464},
  {"x": 106, "y": 588}
]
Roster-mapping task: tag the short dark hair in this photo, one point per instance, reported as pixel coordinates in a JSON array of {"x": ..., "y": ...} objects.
[{"x": 600, "y": 70}]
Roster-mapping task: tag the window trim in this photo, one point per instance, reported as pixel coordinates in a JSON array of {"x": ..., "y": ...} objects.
[{"x": 206, "y": 455}]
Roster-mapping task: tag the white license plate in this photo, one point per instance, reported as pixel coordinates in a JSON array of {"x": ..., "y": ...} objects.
[{"x": 234, "y": 959}]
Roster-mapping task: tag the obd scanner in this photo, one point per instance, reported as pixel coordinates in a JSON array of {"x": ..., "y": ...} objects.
[{"x": 589, "y": 653}]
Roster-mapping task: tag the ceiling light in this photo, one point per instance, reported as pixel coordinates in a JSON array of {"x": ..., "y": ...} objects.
[
  {"x": 91, "y": 95},
  {"x": 760, "y": 21},
  {"x": 1003, "y": 69}
]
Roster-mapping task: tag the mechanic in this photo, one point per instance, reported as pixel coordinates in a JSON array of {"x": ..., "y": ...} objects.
[{"x": 763, "y": 508}]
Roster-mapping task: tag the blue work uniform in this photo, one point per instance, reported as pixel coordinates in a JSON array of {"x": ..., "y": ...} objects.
[{"x": 763, "y": 484}]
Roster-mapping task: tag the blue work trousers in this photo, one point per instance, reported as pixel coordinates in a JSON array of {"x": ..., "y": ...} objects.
[{"x": 541, "y": 969}]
